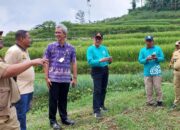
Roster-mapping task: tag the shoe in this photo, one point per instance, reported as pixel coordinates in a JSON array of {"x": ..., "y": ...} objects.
[
  {"x": 68, "y": 122},
  {"x": 55, "y": 125},
  {"x": 104, "y": 109},
  {"x": 97, "y": 115},
  {"x": 173, "y": 107},
  {"x": 159, "y": 104}
]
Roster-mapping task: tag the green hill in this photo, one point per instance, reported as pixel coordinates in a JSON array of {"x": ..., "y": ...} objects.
[{"x": 124, "y": 37}]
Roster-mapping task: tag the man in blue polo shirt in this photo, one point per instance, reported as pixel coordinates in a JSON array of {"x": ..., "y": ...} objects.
[
  {"x": 98, "y": 58},
  {"x": 151, "y": 56}
]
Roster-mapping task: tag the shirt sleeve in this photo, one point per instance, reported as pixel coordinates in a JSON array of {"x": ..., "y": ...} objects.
[
  {"x": 142, "y": 58},
  {"x": 90, "y": 59},
  {"x": 12, "y": 57},
  {"x": 107, "y": 54},
  {"x": 3, "y": 68},
  {"x": 160, "y": 56},
  {"x": 73, "y": 55}
]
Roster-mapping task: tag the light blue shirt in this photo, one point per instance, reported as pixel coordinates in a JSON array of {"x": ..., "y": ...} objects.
[
  {"x": 152, "y": 67},
  {"x": 95, "y": 54}
]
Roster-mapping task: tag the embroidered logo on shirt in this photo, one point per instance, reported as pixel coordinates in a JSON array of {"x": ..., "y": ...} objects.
[{"x": 23, "y": 57}]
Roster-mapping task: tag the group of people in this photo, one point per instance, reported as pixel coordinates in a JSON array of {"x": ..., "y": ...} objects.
[{"x": 17, "y": 77}]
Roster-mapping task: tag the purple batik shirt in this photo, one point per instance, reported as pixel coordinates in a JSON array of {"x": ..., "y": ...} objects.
[{"x": 59, "y": 69}]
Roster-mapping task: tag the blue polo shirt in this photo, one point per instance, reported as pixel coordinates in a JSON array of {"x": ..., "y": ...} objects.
[
  {"x": 95, "y": 54},
  {"x": 152, "y": 67}
]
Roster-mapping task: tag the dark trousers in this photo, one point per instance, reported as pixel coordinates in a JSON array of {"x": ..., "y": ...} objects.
[
  {"x": 58, "y": 100},
  {"x": 100, "y": 79}
]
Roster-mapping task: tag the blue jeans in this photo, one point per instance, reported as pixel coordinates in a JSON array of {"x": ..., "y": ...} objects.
[{"x": 22, "y": 107}]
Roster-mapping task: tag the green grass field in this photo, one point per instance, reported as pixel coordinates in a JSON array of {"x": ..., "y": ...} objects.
[
  {"x": 127, "y": 111},
  {"x": 125, "y": 100}
]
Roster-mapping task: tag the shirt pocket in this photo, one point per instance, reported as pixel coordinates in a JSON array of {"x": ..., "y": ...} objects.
[{"x": 4, "y": 97}]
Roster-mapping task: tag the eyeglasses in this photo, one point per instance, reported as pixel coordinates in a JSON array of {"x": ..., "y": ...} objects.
[
  {"x": 57, "y": 32},
  {"x": 98, "y": 38}
]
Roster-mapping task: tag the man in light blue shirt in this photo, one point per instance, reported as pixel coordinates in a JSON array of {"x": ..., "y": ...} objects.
[
  {"x": 151, "y": 56},
  {"x": 98, "y": 58}
]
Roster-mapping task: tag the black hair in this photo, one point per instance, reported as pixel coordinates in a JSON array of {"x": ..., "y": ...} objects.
[{"x": 20, "y": 34}]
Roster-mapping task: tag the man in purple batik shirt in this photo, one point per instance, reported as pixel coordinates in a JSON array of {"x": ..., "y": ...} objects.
[{"x": 61, "y": 56}]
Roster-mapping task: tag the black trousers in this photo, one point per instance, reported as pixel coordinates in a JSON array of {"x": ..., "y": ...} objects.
[
  {"x": 100, "y": 79},
  {"x": 58, "y": 100}
]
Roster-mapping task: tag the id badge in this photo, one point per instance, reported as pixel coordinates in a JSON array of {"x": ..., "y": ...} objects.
[{"x": 61, "y": 60}]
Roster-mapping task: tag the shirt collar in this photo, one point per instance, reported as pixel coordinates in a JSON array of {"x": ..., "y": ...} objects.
[
  {"x": 96, "y": 46},
  {"x": 149, "y": 48},
  {"x": 58, "y": 45},
  {"x": 21, "y": 47}
]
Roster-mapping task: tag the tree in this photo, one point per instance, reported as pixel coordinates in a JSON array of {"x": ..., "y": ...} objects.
[
  {"x": 46, "y": 26},
  {"x": 162, "y": 4},
  {"x": 134, "y": 4},
  {"x": 80, "y": 16}
]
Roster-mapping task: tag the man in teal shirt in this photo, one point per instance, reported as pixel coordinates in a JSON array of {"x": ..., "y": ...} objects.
[
  {"x": 98, "y": 58},
  {"x": 151, "y": 56}
]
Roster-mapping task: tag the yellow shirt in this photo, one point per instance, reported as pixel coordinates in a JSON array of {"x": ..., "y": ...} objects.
[{"x": 25, "y": 80}]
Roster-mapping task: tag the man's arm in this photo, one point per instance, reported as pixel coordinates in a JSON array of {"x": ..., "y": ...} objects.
[
  {"x": 46, "y": 72},
  {"x": 74, "y": 68},
  {"x": 141, "y": 58},
  {"x": 90, "y": 59},
  {"x": 47, "y": 55},
  {"x": 160, "y": 57},
  {"x": 14, "y": 70},
  {"x": 12, "y": 57}
]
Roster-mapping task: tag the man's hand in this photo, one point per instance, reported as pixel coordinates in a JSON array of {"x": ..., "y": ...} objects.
[
  {"x": 39, "y": 61},
  {"x": 104, "y": 60},
  {"x": 48, "y": 82},
  {"x": 149, "y": 58},
  {"x": 110, "y": 59},
  {"x": 154, "y": 57},
  {"x": 74, "y": 82}
]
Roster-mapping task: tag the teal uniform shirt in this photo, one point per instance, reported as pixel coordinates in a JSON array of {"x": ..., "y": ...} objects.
[
  {"x": 95, "y": 54},
  {"x": 152, "y": 67}
]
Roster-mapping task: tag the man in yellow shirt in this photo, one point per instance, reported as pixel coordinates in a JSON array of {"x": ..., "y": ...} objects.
[
  {"x": 18, "y": 53},
  {"x": 9, "y": 93}
]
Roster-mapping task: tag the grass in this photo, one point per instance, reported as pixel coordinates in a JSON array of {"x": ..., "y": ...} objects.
[{"x": 127, "y": 111}]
